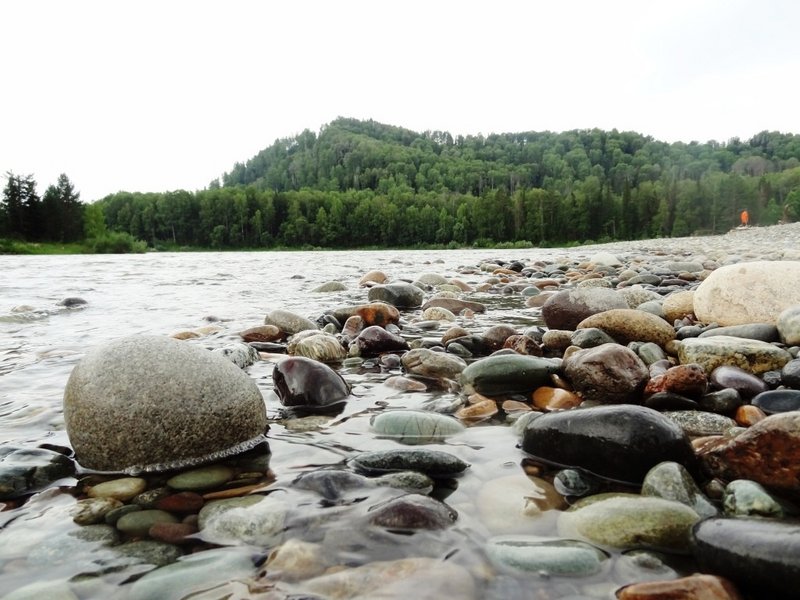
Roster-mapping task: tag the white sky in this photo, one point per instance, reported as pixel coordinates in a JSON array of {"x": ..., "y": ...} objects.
[{"x": 156, "y": 95}]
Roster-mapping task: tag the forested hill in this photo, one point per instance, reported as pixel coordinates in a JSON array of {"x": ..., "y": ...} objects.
[{"x": 358, "y": 183}]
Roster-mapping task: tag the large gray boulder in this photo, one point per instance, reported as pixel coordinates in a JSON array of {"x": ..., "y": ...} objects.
[{"x": 147, "y": 403}]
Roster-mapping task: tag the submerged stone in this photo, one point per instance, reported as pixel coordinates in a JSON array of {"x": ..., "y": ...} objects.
[
  {"x": 414, "y": 426},
  {"x": 548, "y": 557}
]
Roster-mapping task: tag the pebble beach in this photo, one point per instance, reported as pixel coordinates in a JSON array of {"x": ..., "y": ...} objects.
[{"x": 634, "y": 434}]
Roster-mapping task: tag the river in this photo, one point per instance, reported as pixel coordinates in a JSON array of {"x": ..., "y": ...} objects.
[{"x": 165, "y": 293}]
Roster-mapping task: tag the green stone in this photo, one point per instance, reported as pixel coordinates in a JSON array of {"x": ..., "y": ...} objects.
[
  {"x": 203, "y": 478},
  {"x": 138, "y": 523}
]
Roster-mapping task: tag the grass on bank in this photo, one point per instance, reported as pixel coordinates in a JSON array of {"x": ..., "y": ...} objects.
[{"x": 108, "y": 243}]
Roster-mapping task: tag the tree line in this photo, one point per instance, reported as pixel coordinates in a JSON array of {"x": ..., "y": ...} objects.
[
  {"x": 362, "y": 183},
  {"x": 57, "y": 216}
]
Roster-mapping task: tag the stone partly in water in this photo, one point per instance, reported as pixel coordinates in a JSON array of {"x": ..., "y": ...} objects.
[
  {"x": 414, "y": 426},
  {"x": 204, "y": 478},
  {"x": 693, "y": 587},
  {"x": 121, "y": 489},
  {"x": 422, "y": 362},
  {"x": 433, "y": 463},
  {"x": 305, "y": 384},
  {"x": 329, "y": 286},
  {"x": 400, "y": 295},
  {"x": 767, "y": 452},
  {"x": 751, "y": 355},
  {"x": 374, "y": 313},
  {"x": 257, "y": 520},
  {"x": 316, "y": 345},
  {"x": 616, "y": 442},
  {"x": 376, "y": 340},
  {"x": 288, "y": 322},
  {"x": 27, "y": 470},
  {"x": 507, "y": 374},
  {"x": 629, "y": 521},
  {"x": 177, "y": 405},
  {"x": 755, "y": 292},
  {"x": 517, "y": 503},
  {"x": 608, "y": 373},
  {"x": 547, "y": 557},
  {"x": 760, "y": 555},
  {"x": 745, "y": 498},
  {"x": 565, "y": 309}
]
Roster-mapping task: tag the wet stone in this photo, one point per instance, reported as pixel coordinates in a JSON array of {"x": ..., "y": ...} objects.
[
  {"x": 289, "y": 323},
  {"x": 27, "y": 470},
  {"x": 93, "y": 510},
  {"x": 182, "y": 502},
  {"x": 114, "y": 515},
  {"x": 415, "y": 427},
  {"x": 433, "y": 463},
  {"x": 754, "y": 356},
  {"x": 203, "y": 478},
  {"x": 399, "y": 295},
  {"x": 257, "y": 520},
  {"x": 150, "y": 552},
  {"x": 724, "y": 401},
  {"x": 304, "y": 383},
  {"x": 567, "y": 308},
  {"x": 790, "y": 374},
  {"x": 672, "y": 481},
  {"x": 590, "y": 337},
  {"x": 608, "y": 373},
  {"x": 693, "y": 587},
  {"x": 412, "y": 511},
  {"x": 122, "y": 489},
  {"x": 507, "y": 374},
  {"x": 138, "y": 523},
  {"x": 745, "y": 498},
  {"x": 547, "y": 557},
  {"x": 777, "y": 401},
  {"x": 699, "y": 423},
  {"x": 426, "y": 363},
  {"x": 745, "y": 383}
]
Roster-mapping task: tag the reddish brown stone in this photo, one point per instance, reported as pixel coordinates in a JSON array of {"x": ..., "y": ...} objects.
[
  {"x": 496, "y": 336},
  {"x": 687, "y": 380},
  {"x": 378, "y": 313},
  {"x": 768, "y": 453},
  {"x": 523, "y": 344},
  {"x": 182, "y": 502},
  {"x": 515, "y": 406},
  {"x": 262, "y": 333},
  {"x": 478, "y": 411},
  {"x": 747, "y": 415},
  {"x": 550, "y": 398},
  {"x": 172, "y": 533},
  {"x": 352, "y": 327},
  {"x": 694, "y": 587}
]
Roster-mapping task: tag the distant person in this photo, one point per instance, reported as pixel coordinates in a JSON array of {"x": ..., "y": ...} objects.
[{"x": 745, "y": 216}]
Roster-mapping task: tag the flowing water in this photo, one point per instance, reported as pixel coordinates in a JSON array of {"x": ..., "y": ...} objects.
[{"x": 163, "y": 293}]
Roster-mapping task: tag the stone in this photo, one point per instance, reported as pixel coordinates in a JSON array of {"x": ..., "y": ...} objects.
[
  {"x": 242, "y": 355},
  {"x": 768, "y": 452},
  {"x": 303, "y": 383},
  {"x": 328, "y": 287},
  {"x": 567, "y": 308},
  {"x": 405, "y": 384},
  {"x": 432, "y": 279},
  {"x": 754, "y": 292},
  {"x": 256, "y": 520},
  {"x": 204, "y": 478},
  {"x": 627, "y": 325},
  {"x": 630, "y": 521},
  {"x": 142, "y": 385},
  {"x": 173, "y": 533},
  {"x": 288, "y": 322},
  {"x": 433, "y": 463},
  {"x": 121, "y": 489},
  {"x": 748, "y": 415},
  {"x": 608, "y": 373},
  {"x": 437, "y": 313},
  {"x": 316, "y": 345},
  {"x": 616, "y": 442},
  {"x": 372, "y": 277},
  {"x": 549, "y": 398},
  {"x": 27, "y": 470},
  {"x": 71, "y": 545},
  {"x": 295, "y": 560},
  {"x": 545, "y": 557},
  {"x": 686, "y": 380},
  {"x": 422, "y": 362},
  {"x": 376, "y": 340},
  {"x": 788, "y": 325},
  {"x": 790, "y": 374},
  {"x": 724, "y": 401},
  {"x": 745, "y": 383},
  {"x": 138, "y": 523},
  {"x": 751, "y": 355},
  {"x": 522, "y": 344},
  {"x": 90, "y": 511},
  {"x": 415, "y": 426},
  {"x": 516, "y": 503},
  {"x": 777, "y": 401},
  {"x": 52, "y": 590},
  {"x": 697, "y": 423},
  {"x": 745, "y": 498},
  {"x": 766, "y": 332},
  {"x": 693, "y": 587},
  {"x": 149, "y": 552},
  {"x": 478, "y": 411},
  {"x": 762, "y": 556},
  {"x": 411, "y": 512},
  {"x": 433, "y": 579},
  {"x": 636, "y": 295},
  {"x": 678, "y": 305},
  {"x": 605, "y": 259},
  {"x": 195, "y": 573},
  {"x": 590, "y": 337},
  {"x": 455, "y": 305},
  {"x": 671, "y": 481},
  {"x": 507, "y": 374},
  {"x": 495, "y": 337},
  {"x": 399, "y": 295},
  {"x": 374, "y": 313},
  {"x": 262, "y": 333}
]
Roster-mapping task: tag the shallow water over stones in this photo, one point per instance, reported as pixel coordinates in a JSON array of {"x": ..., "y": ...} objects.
[{"x": 331, "y": 498}]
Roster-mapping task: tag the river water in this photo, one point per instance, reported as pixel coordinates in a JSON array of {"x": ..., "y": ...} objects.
[{"x": 164, "y": 293}]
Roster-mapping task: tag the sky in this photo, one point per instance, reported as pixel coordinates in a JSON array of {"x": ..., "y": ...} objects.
[{"x": 158, "y": 95}]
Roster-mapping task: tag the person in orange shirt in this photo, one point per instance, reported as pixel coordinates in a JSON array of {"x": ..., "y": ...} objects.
[{"x": 745, "y": 218}]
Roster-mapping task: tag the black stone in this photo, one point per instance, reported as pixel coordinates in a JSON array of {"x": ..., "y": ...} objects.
[
  {"x": 306, "y": 383},
  {"x": 777, "y": 401},
  {"x": 616, "y": 442}
]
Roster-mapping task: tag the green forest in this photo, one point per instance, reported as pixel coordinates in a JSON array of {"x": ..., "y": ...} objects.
[{"x": 366, "y": 184}]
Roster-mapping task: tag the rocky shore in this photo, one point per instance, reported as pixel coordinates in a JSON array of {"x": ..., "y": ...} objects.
[{"x": 640, "y": 440}]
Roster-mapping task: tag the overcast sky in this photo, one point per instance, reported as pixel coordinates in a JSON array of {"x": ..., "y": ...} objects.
[{"x": 156, "y": 95}]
